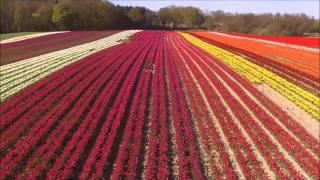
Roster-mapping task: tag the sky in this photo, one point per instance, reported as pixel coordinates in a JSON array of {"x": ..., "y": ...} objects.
[{"x": 309, "y": 7}]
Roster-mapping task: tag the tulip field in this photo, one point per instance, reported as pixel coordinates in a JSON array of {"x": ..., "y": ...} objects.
[{"x": 151, "y": 104}]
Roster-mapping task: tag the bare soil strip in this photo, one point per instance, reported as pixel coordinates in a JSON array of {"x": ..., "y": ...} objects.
[{"x": 303, "y": 118}]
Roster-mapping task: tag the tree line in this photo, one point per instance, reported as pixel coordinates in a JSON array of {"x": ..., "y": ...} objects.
[{"x": 50, "y": 15}]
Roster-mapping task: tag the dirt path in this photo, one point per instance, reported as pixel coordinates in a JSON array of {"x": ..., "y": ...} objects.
[
  {"x": 266, "y": 109},
  {"x": 312, "y": 125},
  {"x": 248, "y": 137}
]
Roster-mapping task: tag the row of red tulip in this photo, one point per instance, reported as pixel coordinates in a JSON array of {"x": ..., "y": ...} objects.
[
  {"x": 245, "y": 156},
  {"x": 298, "y": 40},
  {"x": 14, "y": 109},
  {"x": 188, "y": 154},
  {"x": 25, "y": 109},
  {"x": 267, "y": 148},
  {"x": 299, "y": 131},
  {"x": 45, "y": 124},
  {"x": 102, "y": 149},
  {"x": 157, "y": 155},
  {"x": 40, "y": 128},
  {"x": 93, "y": 120},
  {"x": 88, "y": 120},
  {"x": 32, "y": 116},
  {"x": 278, "y": 131},
  {"x": 250, "y": 125},
  {"x": 128, "y": 157},
  {"x": 220, "y": 163},
  {"x": 100, "y": 67},
  {"x": 46, "y": 152}
]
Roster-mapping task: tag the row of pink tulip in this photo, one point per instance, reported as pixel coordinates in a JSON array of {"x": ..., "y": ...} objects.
[
  {"x": 157, "y": 162},
  {"x": 43, "y": 126},
  {"x": 102, "y": 149},
  {"x": 250, "y": 165},
  {"x": 40, "y": 126},
  {"x": 72, "y": 119},
  {"x": 14, "y": 109},
  {"x": 219, "y": 163},
  {"x": 188, "y": 152},
  {"x": 128, "y": 157}
]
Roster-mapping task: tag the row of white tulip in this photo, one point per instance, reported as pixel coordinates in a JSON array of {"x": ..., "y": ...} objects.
[
  {"x": 24, "y": 75},
  {"x": 17, "y": 76},
  {"x": 19, "y": 71},
  {"x": 87, "y": 46}
]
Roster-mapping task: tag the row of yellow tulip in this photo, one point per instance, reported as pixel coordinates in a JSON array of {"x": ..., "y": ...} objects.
[{"x": 257, "y": 74}]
